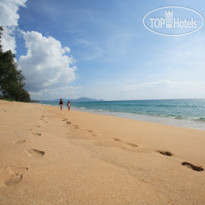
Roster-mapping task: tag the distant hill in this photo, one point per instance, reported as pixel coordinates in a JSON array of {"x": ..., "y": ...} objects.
[{"x": 84, "y": 99}]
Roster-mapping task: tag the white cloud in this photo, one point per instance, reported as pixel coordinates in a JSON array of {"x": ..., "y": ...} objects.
[
  {"x": 9, "y": 20},
  {"x": 45, "y": 66},
  {"x": 8, "y": 40}
]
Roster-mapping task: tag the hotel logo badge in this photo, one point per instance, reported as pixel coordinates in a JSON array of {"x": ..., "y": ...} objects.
[
  {"x": 169, "y": 18},
  {"x": 173, "y": 21}
]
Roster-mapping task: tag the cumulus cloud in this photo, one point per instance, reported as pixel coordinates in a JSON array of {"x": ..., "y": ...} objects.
[
  {"x": 9, "y": 20},
  {"x": 47, "y": 64}
]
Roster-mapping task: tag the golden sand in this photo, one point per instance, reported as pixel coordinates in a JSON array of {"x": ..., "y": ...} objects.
[{"x": 48, "y": 156}]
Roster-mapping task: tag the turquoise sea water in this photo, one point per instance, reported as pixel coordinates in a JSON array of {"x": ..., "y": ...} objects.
[{"x": 180, "y": 112}]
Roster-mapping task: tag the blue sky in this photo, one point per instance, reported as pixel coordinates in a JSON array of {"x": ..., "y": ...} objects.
[{"x": 101, "y": 49}]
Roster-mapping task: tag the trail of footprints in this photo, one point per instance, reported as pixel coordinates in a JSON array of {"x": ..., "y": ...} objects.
[
  {"x": 186, "y": 164},
  {"x": 16, "y": 175},
  {"x": 35, "y": 152},
  {"x": 166, "y": 153},
  {"x": 170, "y": 154}
]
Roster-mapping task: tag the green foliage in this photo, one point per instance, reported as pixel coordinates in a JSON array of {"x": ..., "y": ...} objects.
[
  {"x": 10, "y": 100},
  {"x": 11, "y": 80}
]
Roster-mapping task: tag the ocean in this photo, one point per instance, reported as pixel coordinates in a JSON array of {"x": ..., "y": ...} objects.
[{"x": 178, "y": 112}]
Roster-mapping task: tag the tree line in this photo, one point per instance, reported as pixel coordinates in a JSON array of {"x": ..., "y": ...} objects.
[{"x": 11, "y": 79}]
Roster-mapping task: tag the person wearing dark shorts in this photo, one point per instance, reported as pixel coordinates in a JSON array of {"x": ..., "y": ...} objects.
[{"x": 61, "y": 104}]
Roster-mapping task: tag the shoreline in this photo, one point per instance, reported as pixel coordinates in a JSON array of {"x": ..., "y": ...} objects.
[
  {"x": 183, "y": 123},
  {"x": 50, "y": 156}
]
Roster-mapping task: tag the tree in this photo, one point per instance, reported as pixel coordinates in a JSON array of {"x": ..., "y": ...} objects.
[
  {"x": 11, "y": 80},
  {"x": 1, "y": 30}
]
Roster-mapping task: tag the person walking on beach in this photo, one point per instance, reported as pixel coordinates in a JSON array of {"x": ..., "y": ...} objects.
[
  {"x": 61, "y": 104},
  {"x": 68, "y": 104}
]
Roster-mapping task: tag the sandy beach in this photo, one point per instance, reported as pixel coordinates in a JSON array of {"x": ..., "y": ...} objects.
[{"x": 48, "y": 156}]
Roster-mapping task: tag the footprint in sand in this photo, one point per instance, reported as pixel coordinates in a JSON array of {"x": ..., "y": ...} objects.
[
  {"x": 38, "y": 134},
  {"x": 92, "y": 133},
  {"x": 14, "y": 176},
  {"x": 116, "y": 139},
  {"x": 35, "y": 153},
  {"x": 20, "y": 141},
  {"x": 166, "y": 153},
  {"x": 76, "y": 126},
  {"x": 132, "y": 144},
  {"x": 14, "y": 179},
  {"x": 193, "y": 167},
  {"x": 69, "y": 122}
]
